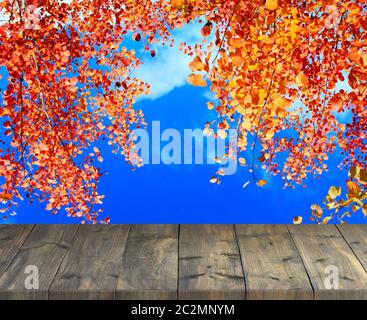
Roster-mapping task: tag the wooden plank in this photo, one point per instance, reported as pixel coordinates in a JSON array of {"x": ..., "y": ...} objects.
[
  {"x": 209, "y": 263},
  {"x": 45, "y": 248},
  {"x": 356, "y": 236},
  {"x": 11, "y": 239},
  {"x": 91, "y": 266},
  {"x": 273, "y": 268},
  {"x": 150, "y": 263},
  {"x": 325, "y": 253}
]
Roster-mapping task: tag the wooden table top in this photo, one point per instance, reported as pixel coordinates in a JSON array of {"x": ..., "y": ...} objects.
[{"x": 184, "y": 261}]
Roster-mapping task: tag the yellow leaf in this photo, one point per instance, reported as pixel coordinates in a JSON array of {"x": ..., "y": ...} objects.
[
  {"x": 207, "y": 132},
  {"x": 261, "y": 183},
  {"x": 222, "y": 134},
  {"x": 364, "y": 59},
  {"x": 220, "y": 172},
  {"x": 210, "y": 105},
  {"x": 242, "y": 161},
  {"x": 196, "y": 80},
  {"x": 345, "y": 214},
  {"x": 214, "y": 180},
  {"x": 326, "y": 220},
  {"x": 317, "y": 210},
  {"x": 334, "y": 192},
  {"x": 297, "y": 220},
  {"x": 271, "y": 4}
]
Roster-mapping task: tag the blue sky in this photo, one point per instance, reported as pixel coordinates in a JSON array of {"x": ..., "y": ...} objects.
[{"x": 183, "y": 193}]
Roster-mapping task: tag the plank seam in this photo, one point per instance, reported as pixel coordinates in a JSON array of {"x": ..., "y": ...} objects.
[
  {"x": 62, "y": 260},
  {"x": 17, "y": 252},
  {"x": 242, "y": 266},
  {"x": 360, "y": 262},
  {"x": 122, "y": 259},
  {"x": 303, "y": 263},
  {"x": 178, "y": 261}
]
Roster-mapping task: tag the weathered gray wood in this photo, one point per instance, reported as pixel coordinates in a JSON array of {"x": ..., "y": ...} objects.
[
  {"x": 356, "y": 236},
  {"x": 150, "y": 263},
  {"x": 11, "y": 239},
  {"x": 323, "y": 249},
  {"x": 209, "y": 263},
  {"x": 44, "y": 248},
  {"x": 91, "y": 266},
  {"x": 272, "y": 265}
]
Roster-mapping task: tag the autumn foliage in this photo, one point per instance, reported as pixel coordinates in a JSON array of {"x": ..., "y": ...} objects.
[{"x": 275, "y": 67}]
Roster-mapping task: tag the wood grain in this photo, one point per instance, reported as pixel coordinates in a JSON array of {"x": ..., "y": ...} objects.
[
  {"x": 209, "y": 263},
  {"x": 273, "y": 267},
  {"x": 91, "y": 266},
  {"x": 184, "y": 262},
  {"x": 11, "y": 239},
  {"x": 44, "y": 248},
  {"x": 323, "y": 248},
  {"x": 150, "y": 263},
  {"x": 356, "y": 236}
]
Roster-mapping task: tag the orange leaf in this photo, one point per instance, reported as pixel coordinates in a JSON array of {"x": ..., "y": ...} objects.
[
  {"x": 5, "y": 196},
  {"x": 271, "y": 4},
  {"x": 207, "y": 29},
  {"x": 353, "y": 190},
  {"x": 261, "y": 183},
  {"x": 196, "y": 80},
  {"x": 197, "y": 64},
  {"x": 297, "y": 220}
]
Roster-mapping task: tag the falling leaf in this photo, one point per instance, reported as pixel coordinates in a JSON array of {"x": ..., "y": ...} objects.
[
  {"x": 297, "y": 220},
  {"x": 220, "y": 172},
  {"x": 214, "y": 180},
  {"x": 242, "y": 161},
  {"x": 137, "y": 36},
  {"x": 261, "y": 183}
]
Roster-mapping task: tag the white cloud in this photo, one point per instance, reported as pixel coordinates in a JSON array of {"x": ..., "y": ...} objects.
[{"x": 169, "y": 68}]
